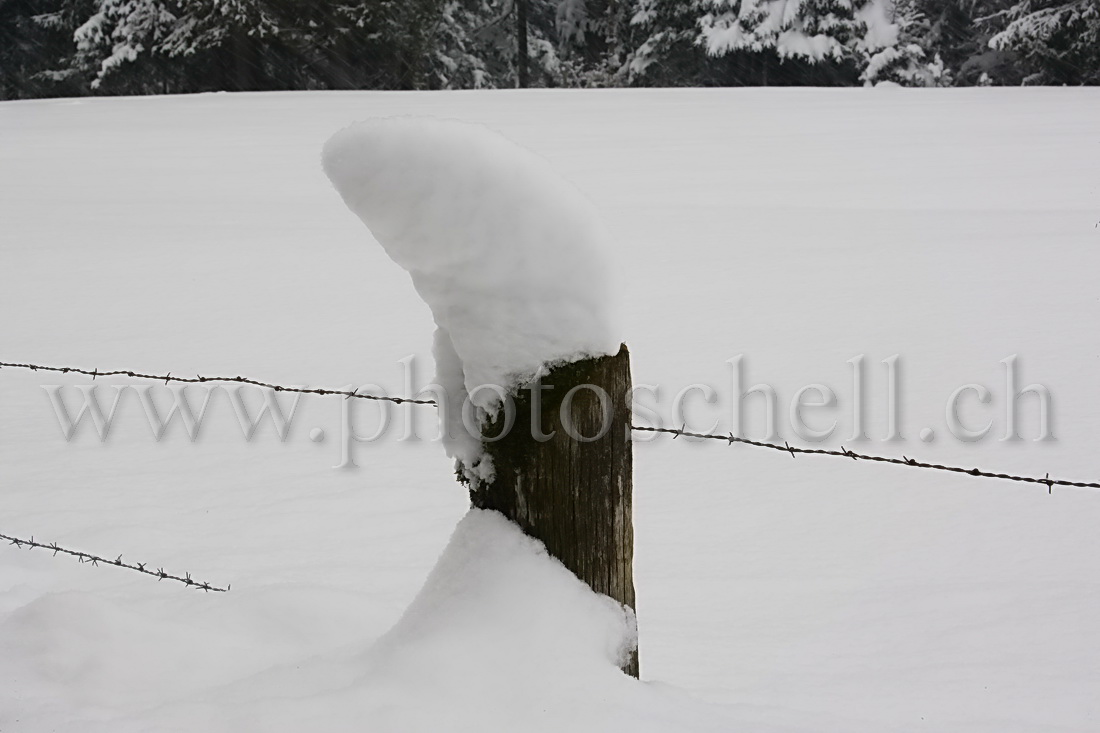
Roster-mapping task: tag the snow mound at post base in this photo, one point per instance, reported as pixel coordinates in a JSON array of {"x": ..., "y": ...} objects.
[
  {"x": 507, "y": 254},
  {"x": 496, "y": 605},
  {"x": 502, "y": 637}
]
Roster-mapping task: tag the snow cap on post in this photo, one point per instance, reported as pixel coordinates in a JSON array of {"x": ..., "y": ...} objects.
[{"x": 507, "y": 254}]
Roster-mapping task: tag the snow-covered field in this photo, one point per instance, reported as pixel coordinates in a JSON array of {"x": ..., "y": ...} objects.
[{"x": 800, "y": 228}]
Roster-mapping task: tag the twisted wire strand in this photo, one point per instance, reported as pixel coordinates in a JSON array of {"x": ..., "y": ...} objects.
[
  {"x": 198, "y": 379},
  {"x": 728, "y": 438},
  {"x": 96, "y": 560}
]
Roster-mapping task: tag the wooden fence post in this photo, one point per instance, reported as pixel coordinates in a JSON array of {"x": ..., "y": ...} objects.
[{"x": 564, "y": 472}]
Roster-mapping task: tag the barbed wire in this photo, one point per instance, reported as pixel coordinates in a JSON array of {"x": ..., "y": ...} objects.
[
  {"x": 95, "y": 560},
  {"x": 198, "y": 379},
  {"x": 730, "y": 439}
]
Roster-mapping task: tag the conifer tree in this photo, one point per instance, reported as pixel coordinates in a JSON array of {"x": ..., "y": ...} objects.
[{"x": 1058, "y": 41}]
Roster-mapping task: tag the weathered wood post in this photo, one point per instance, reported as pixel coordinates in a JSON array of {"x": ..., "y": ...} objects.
[{"x": 564, "y": 472}]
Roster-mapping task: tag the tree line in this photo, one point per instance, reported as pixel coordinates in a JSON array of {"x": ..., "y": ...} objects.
[{"x": 81, "y": 47}]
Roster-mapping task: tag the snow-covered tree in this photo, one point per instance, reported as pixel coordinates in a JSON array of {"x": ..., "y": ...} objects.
[
  {"x": 905, "y": 58},
  {"x": 810, "y": 29},
  {"x": 36, "y": 48},
  {"x": 840, "y": 33},
  {"x": 772, "y": 41},
  {"x": 119, "y": 33},
  {"x": 237, "y": 32},
  {"x": 153, "y": 46},
  {"x": 271, "y": 44},
  {"x": 1059, "y": 41},
  {"x": 477, "y": 45},
  {"x": 664, "y": 52},
  {"x": 591, "y": 40}
]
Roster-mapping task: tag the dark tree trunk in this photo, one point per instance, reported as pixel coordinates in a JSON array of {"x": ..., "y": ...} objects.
[
  {"x": 521, "y": 43},
  {"x": 573, "y": 494},
  {"x": 244, "y": 61}
]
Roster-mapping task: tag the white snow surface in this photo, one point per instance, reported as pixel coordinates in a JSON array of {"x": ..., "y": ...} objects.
[{"x": 800, "y": 227}]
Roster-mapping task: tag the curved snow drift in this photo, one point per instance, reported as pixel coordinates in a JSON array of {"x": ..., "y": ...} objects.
[{"x": 506, "y": 253}]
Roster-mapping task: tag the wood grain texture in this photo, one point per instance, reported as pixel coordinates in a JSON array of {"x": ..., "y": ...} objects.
[{"x": 572, "y": 493}]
